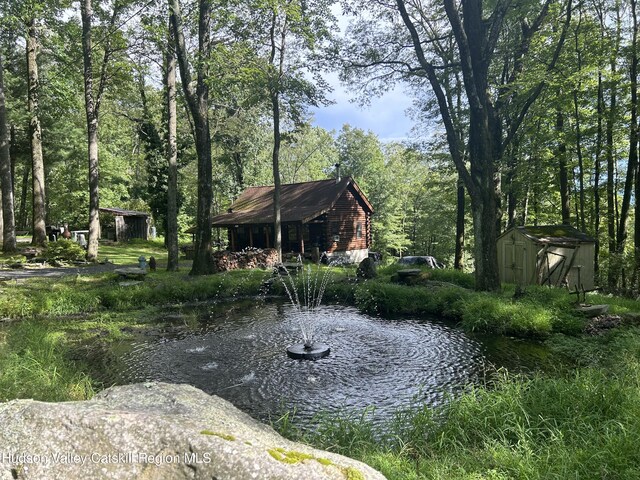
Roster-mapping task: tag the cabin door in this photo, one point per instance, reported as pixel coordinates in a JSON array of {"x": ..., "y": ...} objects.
[{"x": 315, "y": 236}]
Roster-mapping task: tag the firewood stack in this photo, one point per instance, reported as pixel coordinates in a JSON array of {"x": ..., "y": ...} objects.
[{"x": 254, "y": 258}]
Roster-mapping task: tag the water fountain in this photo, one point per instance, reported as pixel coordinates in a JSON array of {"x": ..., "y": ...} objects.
[
  {"x": 237, "y": 351},
  {"x": 313, "y": 286}
]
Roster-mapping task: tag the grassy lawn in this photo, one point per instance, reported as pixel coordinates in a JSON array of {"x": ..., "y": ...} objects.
[
  {"x": 582, "y": 421},
  {"x": 128, "y": 253},
  {"x": 118, "y": 253}
]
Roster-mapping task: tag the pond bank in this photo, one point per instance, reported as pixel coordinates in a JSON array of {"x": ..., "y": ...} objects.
[{"x": 579, "y": 422}]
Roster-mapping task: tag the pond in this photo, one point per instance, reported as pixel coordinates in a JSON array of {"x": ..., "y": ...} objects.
[{"x": 238, "y": 353}]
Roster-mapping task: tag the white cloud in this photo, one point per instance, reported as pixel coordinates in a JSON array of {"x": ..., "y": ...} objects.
[{"x": 385, "y": 116}]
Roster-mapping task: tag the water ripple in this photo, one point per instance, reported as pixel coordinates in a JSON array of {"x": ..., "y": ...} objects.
[{"x": 374, "y": 362}]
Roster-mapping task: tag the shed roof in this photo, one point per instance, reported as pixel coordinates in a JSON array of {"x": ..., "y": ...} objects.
[
  {"x": 124, "y": 213},
  {"x": 299, "y": 202},
  {"x": 556, "y": 234}
]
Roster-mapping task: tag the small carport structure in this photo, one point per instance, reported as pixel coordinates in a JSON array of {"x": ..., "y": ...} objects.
[{"x": 554, "y": 255}]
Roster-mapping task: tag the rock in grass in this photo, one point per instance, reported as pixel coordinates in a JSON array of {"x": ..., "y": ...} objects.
[
  {"x": 133, "y": 273},
  {"x": 155, "y": 431},
  {"x": 367, "y": 269}
]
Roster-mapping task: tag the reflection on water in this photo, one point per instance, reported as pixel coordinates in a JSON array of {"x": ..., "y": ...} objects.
[{"x": 240, "y": 356}]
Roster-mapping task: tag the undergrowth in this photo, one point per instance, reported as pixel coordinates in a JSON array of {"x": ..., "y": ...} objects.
[
  {"x": 584, "y": 424},
  {"x": 34, "y": 364},
  {"x": 89, "y": 294},
  {"x": 536, "y": 312}
]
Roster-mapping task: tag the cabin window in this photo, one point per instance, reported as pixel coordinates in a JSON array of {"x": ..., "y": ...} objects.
[{"x": 358, "y": 230}]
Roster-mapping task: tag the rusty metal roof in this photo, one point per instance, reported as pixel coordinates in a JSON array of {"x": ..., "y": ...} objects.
[{"x": 299, "y": 202}]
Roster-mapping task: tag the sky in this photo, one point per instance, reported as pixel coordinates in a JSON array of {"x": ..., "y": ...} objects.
[{"x": 385, "y": 116}]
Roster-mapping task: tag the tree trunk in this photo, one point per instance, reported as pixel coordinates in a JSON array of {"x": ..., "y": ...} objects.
[
  {"x": 596, "y": 177},
  {"x": 565, "y": 199},
  {"x": 581, "y": 219},
  {"x": 458, "y": 262},
  {"x": 94, "y": 195},
  {"x": 38, "y": 219},
  {"x": 611, "y": 200},
  {"x": 633, "y": 158},
  {"x": 198, "y": 103},
  {"x": 92, "y": 133},
  {"x": 636, "y": 238},
  {"x": 172, "y": 157},
  {"x": 202, "y": 263},
  {"x": 580, "y": 207},
  {"x": 277, "y": 224},
  {"x": 486, "y": 232},
  {"x": 633, "y": 140},
  {"x": 512, "y": 198},
  {"x": 8, "y": 227},
  {"x": 525, "y": 206},
  {"x": 24, "y": 193},
  {"x": 12, "y": 155},
  {"x": 275, "y": 108},
  {"x": 612, "y": 204}
]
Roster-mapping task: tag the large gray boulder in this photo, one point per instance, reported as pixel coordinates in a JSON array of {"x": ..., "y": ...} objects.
[
  {"x": 155, "y": 431},
  {"x": 367, "y": 269}
]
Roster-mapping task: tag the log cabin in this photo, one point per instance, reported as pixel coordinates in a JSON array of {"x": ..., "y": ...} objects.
[{"x": 325, "y": 216}]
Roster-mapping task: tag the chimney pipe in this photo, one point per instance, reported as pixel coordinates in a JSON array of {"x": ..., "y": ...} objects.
[{"x": 338, "y": 177}]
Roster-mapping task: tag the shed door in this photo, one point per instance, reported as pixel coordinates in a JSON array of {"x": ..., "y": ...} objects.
[{"x": 515, "y": 262}]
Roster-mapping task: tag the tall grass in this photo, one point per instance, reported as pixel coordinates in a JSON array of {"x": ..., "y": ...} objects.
[
  {"x": 89, "y": 294},
  {"x": 34, "y": 364},
  {"x": 128, "y": 253},
  {"x": 538, "y": 312},
  {"x": 574, "y": 423},
  {"x": 584, "y": 425}
]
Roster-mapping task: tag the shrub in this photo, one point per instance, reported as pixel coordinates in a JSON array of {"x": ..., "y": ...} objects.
[
  {"x": 63, "y": 250},
  {"x": 385, "y": 298},
  {"x": 489, "y": 313}
]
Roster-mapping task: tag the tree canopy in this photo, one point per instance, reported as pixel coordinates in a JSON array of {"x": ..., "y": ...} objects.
[{"x": 530, "y": 106}]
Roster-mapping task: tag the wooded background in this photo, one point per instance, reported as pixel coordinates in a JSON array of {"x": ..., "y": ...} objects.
[{"x": 525, "y": 113}]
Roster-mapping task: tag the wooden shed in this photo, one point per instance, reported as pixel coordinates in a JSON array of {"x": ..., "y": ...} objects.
[
  {"x": 555, "y": 255},
  {"x": 332, "y": 216},
  {"x": 122, "y": 225}
]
